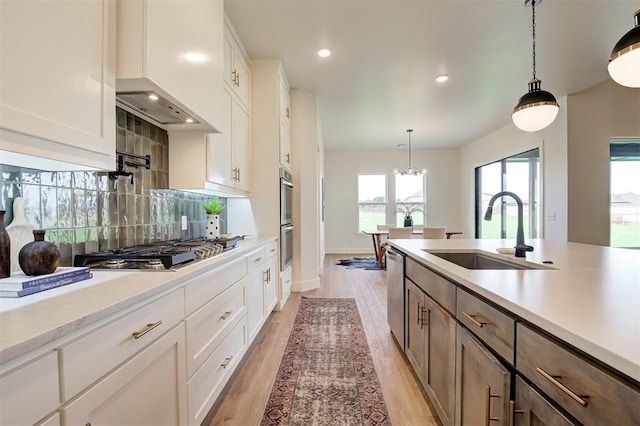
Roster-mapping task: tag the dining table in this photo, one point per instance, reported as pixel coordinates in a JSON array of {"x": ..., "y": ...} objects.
[{"x": 379, "y": 249}]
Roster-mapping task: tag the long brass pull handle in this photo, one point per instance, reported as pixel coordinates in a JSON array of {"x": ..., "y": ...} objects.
[
  {"x": 425, "y": 314},
  {"x": 238, "y": 174},
  {"x": 288, "y": 158},
  {"x": 287, "y": 111},
  {"x": 513, "y": 412},
  {"x": 226, "y": 362},
  {"x": 577, "y": 397},
  {"x": 257, "y": 259},
  {"x": 146, "y": 329},
  {"x": 265, "y": 276},
  {"x": 473, "y": 319},
  {"x": 225, "y": 315},
  {"x": 489, "y": 395},
  {"x": 419, "y": 310}
]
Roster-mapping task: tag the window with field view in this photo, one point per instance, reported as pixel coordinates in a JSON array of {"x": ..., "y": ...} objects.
[
  {"x": 625, "y": 193},
  {"x": 517, "y": 174},
  {"x": 372, "y": 201},
  {"x": 410, "y": 197}
]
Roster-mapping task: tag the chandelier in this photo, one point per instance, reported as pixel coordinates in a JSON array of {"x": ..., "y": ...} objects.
[{"x": 410, "y": 171}]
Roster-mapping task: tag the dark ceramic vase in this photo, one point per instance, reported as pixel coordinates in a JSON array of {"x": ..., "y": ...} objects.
[
  {"x": 39, "y": 257},
  {"x": 5, "y": 249},
  {"x": 408, "y": 221}
]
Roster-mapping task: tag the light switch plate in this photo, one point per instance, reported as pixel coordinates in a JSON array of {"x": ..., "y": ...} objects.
[{"x": 184, "y": 223}]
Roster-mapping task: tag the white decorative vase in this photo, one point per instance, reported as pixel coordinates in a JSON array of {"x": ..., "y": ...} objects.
[{"x": 212, "y": 230}]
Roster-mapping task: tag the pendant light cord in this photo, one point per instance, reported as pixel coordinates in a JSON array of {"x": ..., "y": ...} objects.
[{"x": 533, "y": 28}]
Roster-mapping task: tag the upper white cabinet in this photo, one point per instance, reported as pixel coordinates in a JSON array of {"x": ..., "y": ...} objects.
[
  {"x": 219, "y": 162},
  {"x": 57, "y": 78},
  {"x": 285, "y": 123},
  {"x": 174, "y": 48}
]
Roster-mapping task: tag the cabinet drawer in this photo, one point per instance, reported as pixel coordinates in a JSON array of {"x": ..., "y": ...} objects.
[
  {"x": 438, "y": 288},
  {"x": 590, "y": 394},
  {"x": 489, "y": 324},
  {"x": 271, "y": 249},
  {"x": 31, "y": 392},
  {"x": 255, "y": 259},
  {"x": 205, "y": 386},
  {"x": 206, "y": 287},
  {"x": 209, "y": 325},
  {"x": 92, "y": 356}
]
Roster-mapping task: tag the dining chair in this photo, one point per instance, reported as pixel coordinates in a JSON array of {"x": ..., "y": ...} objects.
[
  {"x": 385, "y": 227},
  {"x": 434, "y": 232},
  {"x": 400, "y": 232}
]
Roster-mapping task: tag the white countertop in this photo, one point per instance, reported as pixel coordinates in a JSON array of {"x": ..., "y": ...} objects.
[
  {"x": 591, "y": 299},
  {"x": 29, "y": 322}
]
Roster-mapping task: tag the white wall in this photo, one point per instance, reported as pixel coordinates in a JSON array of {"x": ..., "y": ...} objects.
[
  {"x": 341, "y": 191},
  {"x": 508, "y": 141}
]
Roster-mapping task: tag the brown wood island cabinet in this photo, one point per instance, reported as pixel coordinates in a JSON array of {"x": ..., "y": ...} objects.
[{"x": 483, "y": 365}]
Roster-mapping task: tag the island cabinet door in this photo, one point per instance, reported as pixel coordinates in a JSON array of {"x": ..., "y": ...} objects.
[
  {"x": 440, "y": 359},
  {"x": 482, "y": 384},
  {"x": 414, "y": 329},
  {"x": 530, "y": 408}
]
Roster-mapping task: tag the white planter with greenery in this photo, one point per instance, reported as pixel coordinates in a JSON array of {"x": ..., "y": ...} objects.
[{"x": 213, "y": 208}]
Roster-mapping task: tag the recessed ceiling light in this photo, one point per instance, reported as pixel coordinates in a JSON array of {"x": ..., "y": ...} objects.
[
  {"x": 442, "y": 78},
  {"x": 153, "y": 97},
  {"x": 324, "y": 53},
  {"x": 189, "y": 120}
]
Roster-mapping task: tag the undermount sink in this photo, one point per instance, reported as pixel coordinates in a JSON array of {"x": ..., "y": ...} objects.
[{"x": 477, "y": 260}]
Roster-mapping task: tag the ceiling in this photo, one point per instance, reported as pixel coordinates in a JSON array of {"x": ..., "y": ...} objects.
[{"x": 379, "y": 81}]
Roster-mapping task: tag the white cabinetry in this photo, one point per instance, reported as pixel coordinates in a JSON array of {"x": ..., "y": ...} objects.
[
  {"x": 29, "y": 392},
  {"x": 285, "y": 123},
  {"x": 219, "y": 162},
  {"x": 255, "y": 292},
  {"x": 57, "y": 76},
  {"x": 271, "y": 279},
  {"x": 174, "y": 48},
  {"x": 147, "y": 389},
  {"x": 285, "y": 288}
]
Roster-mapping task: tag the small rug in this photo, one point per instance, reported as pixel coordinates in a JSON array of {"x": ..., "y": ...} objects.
[
  {"x": 326, "y": 376},
  {"x": 367, "y": 263}
]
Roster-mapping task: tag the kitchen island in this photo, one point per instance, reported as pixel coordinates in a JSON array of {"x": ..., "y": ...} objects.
[
  {"x": 122, "y": 341},
  {"x": 584, "y": 298}
]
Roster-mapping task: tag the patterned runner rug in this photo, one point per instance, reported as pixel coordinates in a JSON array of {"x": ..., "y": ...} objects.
[{"x": 326, "y": 376}]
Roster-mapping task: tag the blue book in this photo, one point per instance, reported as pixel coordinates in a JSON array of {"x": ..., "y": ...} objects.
[
  {"x": 47, "y": 286},
  {"x": 20, "y": 281}
]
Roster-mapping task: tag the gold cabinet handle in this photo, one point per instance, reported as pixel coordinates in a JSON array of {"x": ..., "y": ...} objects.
[
  {"x": 473, "y": 319},
  {"x": 577, "y": 397},
  {"x": 419, "y": 310},
  {"x": 488, "y": 397},
  {"x": 226, "y": 362},
  {"x": 288, "y": 158},
  {"x": 425, "y": 314},
  {"x": 513, "y": 412},
  {"x": 238, "y": 174},
  {"x": 225, "y": 315},
  {"x": 146, "y": 329},
  {"x": 287, "y": 112}
]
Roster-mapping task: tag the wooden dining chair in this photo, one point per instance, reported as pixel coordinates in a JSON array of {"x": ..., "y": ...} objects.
[
  {"x": 434, "y": 232},
  {"x": 385, "y": 227}
]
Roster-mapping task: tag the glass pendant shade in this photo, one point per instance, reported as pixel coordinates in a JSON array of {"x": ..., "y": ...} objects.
[
  {"x": 536, "y": 109},
  {"x": 624, "y": 63}
]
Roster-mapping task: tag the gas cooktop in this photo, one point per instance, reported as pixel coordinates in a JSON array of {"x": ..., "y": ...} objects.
[{"x": 159, "y": 256}]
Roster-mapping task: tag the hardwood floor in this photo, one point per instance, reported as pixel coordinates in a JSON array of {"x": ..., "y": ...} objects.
[{"x": 246, "y": 395}]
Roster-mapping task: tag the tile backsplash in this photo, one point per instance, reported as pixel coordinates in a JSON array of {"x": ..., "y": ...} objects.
[{"x": 85, "y": 212}]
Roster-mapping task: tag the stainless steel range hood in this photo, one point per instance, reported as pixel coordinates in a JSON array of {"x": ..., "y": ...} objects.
[{"x": 157, "y": 108}]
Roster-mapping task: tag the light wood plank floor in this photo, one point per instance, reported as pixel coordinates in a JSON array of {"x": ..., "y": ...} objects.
[{"x": 245, "y": 396}]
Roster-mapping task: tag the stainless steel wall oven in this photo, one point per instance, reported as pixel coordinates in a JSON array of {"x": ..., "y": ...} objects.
[{"x": 286, "y": 219}]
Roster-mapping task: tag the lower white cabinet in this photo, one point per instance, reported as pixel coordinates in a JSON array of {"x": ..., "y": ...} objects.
[
  {"x": 147, "y": 389},
  {"x": 271, "y": 279},
  {"x": 285, "y": 288},
  {"x": 30, "y": 392}
]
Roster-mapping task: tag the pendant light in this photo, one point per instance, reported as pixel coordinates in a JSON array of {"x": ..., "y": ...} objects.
[
  {"x": 624, "y": 63},
  {"x": 410, "y": 171},
  {"x": 537, "y": 108}
]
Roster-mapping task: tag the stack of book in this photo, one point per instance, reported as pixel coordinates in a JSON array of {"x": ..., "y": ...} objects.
[{"x": 19, "y": 284}]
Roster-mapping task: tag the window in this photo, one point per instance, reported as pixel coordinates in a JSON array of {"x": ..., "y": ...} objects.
[
  {"x": 372, "y": 201},
  {"x": 410, "y": 198},
  {"x": 625, "y": 193},
  {"x": 518, "y": 174}
]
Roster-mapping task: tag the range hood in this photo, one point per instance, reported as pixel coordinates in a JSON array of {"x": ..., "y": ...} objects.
[{"x": 157, "y": 108}]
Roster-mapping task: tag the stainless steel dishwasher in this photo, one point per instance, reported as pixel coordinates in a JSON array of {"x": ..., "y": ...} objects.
[{"x": 395, "y": 294}]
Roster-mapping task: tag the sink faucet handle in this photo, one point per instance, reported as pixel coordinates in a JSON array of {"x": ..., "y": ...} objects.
[{"x": 522, "y": 249}]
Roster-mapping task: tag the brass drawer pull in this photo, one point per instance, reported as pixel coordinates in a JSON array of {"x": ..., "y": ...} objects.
[
  {"x": 579, "y": 398},
  {"x": 226, "y": 362},
  {"x": 425, "y": 313},
  {"x": 225, "y": 315},
  {"x": 473, "y": 319},
  {"x": 488, "y": 397},
  {"x": 419, "y": 310},
  {"x": 148, "y": 328}
]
